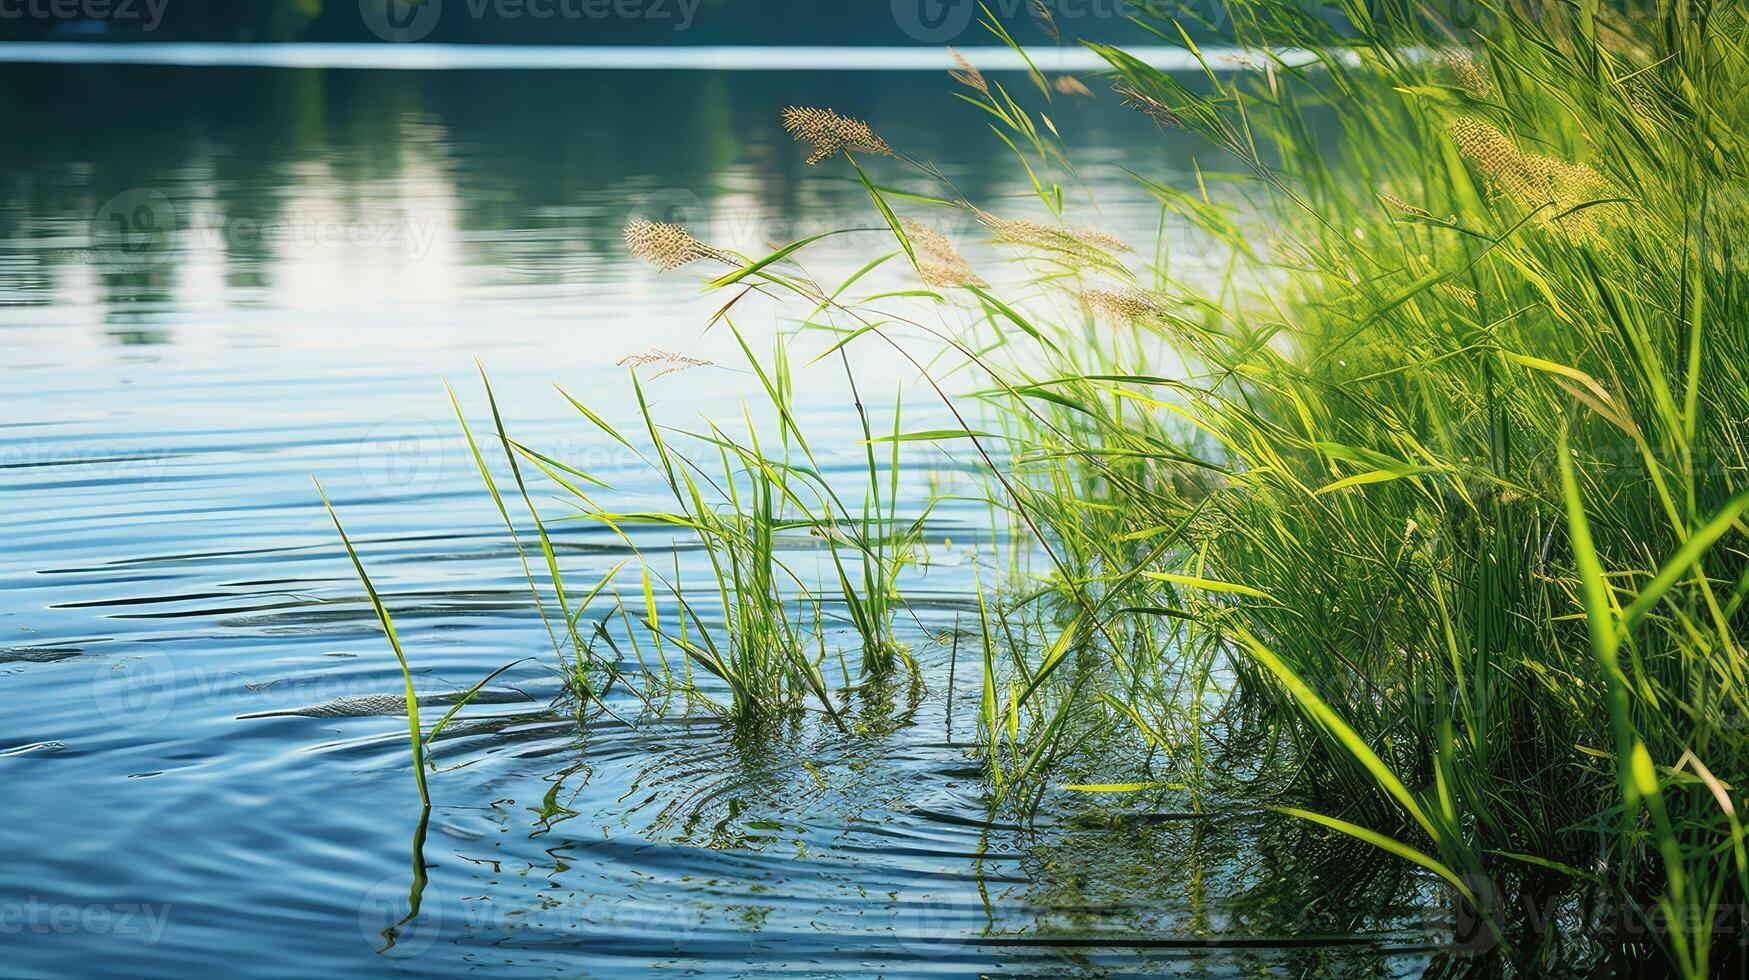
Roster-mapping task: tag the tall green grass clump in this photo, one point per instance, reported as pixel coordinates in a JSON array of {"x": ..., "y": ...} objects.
[
  {"x": 745, "y": 497},
  {"x": 1452, "y": 483},
  {"x": 1424, "y": 522}
]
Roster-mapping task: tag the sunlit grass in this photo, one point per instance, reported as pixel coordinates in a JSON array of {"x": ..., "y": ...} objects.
[{"x": 1423, "y": 524}]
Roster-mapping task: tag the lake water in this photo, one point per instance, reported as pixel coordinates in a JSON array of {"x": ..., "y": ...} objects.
[{"x": 323, "y": 250}]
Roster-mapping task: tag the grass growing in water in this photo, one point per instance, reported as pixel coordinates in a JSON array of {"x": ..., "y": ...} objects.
[
  {"x": 1453, "y": 481},
  {"x": 1438, "y": 505}
]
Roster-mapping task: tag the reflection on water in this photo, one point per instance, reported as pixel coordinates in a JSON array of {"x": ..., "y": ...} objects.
[
  {"x": 243, "y": 278},
  {"x": 352, "y": 191}
]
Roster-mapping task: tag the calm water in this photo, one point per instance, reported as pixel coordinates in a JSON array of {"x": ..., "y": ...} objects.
[{"x": 337, "y": 244}]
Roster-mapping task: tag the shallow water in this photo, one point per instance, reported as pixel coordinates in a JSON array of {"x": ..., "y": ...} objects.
[{"x": 342, "y": 242}]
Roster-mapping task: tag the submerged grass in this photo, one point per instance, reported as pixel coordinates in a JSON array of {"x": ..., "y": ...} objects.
[{"x": 1424, "y": 523}]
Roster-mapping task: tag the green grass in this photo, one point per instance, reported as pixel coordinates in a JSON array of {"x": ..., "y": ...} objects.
[
  {"x": 1423, "y": 523},
  {"x": 743, "y": 502},
  {"x": 1453, "y": 484}
]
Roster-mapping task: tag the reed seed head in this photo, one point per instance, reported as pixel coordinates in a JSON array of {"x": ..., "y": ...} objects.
[
  {"x": 656, "y": 355},
  {"x": 1046, "y": 20},
  {"x": 1469, "y": 74},
  {"x": 830, "y": 133},
  {"x": 1534, "y": 179},
  {"x": 1070, "y": 85},
  {"x": 938, "y": 261},
  {"x": 1123, "y": 305},
  {"x": 1162, "y": 113},
  {"x": 968, "y": 75},
  {"x": 1074, "y": 242},
  {"x": 668, "y": 246}
]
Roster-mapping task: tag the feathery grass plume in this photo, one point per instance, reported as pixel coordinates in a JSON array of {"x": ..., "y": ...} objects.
[
  {"x": 656, "y": 355},
  {"x": 1534, "y": 179},
  {"x": 969, "y": 75},
  {"x": 830, "y": 132},
  {"x": 1147, "y": 104},
  {"x": 1076, "y": 242},
  {"x": 1046, "y": 19},
  {"x": 1469, "y": 74},
  {"x": 1123, "y": 305},
  {"x": 668, "y": 246},
  {"x": 1070, "y": 85},
  {"x": 937, "y": 260}
]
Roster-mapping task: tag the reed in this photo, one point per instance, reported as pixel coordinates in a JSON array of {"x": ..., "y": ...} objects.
[
  {"x": 1440, "y": 503},
  {"x": 1446, "y": 510},
  {"x": 1425, "y": 522}
]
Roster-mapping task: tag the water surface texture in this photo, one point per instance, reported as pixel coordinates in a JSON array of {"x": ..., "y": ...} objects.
[{"x": 324, "y": 248}]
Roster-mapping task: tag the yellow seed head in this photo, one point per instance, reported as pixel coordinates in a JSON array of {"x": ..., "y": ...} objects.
[
  {"x": 969, "y": 75},
  {"x": 1122, "y": 305},
  {"x": 830, "y": 132},
  {"x": 937, "y": 260},
  {"x": 1070, "y": 85},
  {"x": 1470, "y": 75},
  {"x": 1534, "y": 179},
  {"x": 1161, "y": 112},
  {"x": 1046, "y": 20},
  {"x": 668, "y": 246},
  {"x": 1073, "y": 242}
]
